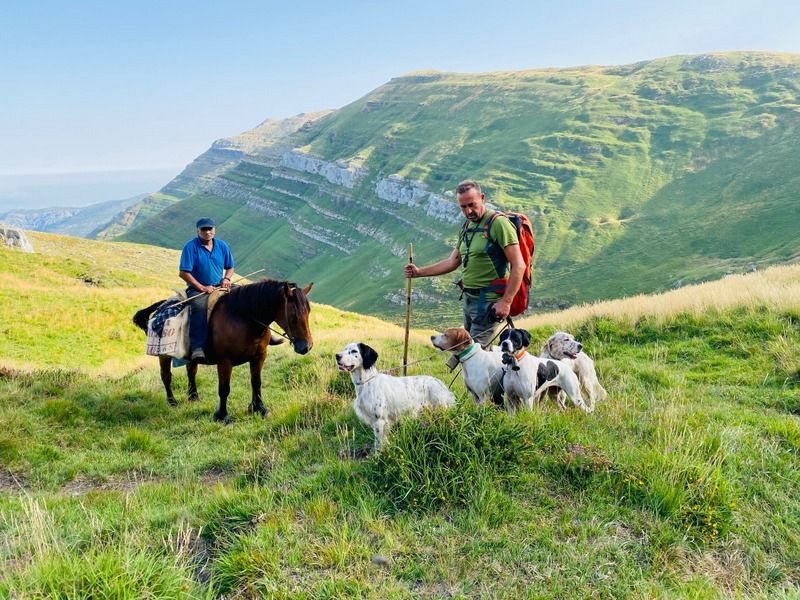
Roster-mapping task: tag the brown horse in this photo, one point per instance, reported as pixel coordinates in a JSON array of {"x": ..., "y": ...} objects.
[{"x": 238, "y": 332}]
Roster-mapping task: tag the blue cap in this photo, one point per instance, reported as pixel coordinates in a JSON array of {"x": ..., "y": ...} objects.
[{"x": 206, "y": 222}]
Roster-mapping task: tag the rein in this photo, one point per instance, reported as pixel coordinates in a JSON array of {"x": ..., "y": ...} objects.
[
  {"x": 285, "y": 318},
  {"x": 272, "y": 329}
]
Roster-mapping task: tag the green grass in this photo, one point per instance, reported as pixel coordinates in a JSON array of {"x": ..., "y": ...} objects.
[{"x": 683, "y": 483}]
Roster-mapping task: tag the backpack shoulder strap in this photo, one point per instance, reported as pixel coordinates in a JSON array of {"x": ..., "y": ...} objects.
[{"x": 489, "y": 222}]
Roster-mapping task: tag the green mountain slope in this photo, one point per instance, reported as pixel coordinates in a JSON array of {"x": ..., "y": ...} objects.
[{"x": 638, "y": 178}]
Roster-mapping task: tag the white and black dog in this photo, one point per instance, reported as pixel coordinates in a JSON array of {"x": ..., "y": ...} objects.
[
  {"x": 382, "y": 399},
  {"x": 564, "y": 347},
  {"x": 527, "y": 377},
  {"x": 481, "y": 369}
]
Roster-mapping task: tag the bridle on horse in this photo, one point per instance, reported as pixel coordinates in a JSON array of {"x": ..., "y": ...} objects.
[{"x": 285, "y": 320}]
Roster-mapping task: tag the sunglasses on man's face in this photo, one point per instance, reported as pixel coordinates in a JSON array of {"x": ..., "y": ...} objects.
[{"x": 206, "y": 228}]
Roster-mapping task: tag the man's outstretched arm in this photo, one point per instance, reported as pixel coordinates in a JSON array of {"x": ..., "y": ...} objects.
[{"x": 448, "y": 265}]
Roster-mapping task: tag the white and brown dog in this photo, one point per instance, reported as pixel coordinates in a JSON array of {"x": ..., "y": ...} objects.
[
  {"x": 527, "y": 377},
  {"x": 481, "y": 369},
  {"x": 382, "y": 399},
  {"x": 564, "y": 347}
]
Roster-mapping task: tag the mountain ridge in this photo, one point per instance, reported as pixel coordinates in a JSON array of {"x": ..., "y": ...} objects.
[{"x": 623, "y": 170}]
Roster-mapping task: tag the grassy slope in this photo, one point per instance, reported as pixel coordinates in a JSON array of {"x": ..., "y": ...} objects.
[
  {"x": 684, "y": 483},
  {"x": 637, "y": 177}
]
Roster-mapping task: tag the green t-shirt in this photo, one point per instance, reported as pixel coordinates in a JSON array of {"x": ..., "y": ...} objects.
[{"x": 480, "y": 271}]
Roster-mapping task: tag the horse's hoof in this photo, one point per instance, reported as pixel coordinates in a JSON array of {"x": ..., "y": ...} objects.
[
  {"x": 172, "y": 402},
  {"x": 222, "y": 417},
  {"x": 258, "y": 411}
]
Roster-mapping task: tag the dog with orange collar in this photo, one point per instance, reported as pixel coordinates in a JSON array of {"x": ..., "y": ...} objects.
[{"x": 526, "y": 377}]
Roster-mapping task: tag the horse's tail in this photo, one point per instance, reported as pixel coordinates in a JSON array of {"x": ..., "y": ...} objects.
[{"x": 142, "y": 316}]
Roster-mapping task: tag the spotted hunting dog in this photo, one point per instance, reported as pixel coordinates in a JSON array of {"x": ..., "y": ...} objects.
[
  {"x": 564, "y": 347},
  {"x": 382, "y": 399},
  {"x": 481, "y": 369},
  {"x": 526, "y": 377}
]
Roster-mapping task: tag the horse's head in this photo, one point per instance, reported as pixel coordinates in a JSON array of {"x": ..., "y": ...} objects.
[{"x": 294, "y": 317}]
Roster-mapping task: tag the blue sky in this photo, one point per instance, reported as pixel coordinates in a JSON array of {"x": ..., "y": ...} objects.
[{"x": 95, "y": 86}]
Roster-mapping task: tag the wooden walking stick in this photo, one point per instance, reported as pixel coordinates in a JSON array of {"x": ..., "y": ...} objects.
[{"x": 408, "y": 311}]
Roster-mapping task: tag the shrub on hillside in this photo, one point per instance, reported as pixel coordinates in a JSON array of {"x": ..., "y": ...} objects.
[{"x": 442, "y": 457}]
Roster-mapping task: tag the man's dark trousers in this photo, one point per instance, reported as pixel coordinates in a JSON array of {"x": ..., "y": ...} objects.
[{"x": 198, "y": 318}]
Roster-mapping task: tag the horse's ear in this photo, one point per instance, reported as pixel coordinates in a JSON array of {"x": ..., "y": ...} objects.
[
  {"x": 288, "y": 290},
  {"x": 308, "y": 288},
  {"x": 368, "y": 356}
]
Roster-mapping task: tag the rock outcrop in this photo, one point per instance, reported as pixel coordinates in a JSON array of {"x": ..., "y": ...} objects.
[
  {"x": 338, "y": 173},
  {"x": 13, "y": 237},
  {"x": 415, "y": 194}
]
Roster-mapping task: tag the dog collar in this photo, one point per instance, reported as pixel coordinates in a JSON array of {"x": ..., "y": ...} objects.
[
  {"x": 467, "y": 352},
  {"x": 520, "y": 354}
]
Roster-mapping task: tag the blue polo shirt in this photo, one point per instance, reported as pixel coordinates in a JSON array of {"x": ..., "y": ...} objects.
[{"x": 207, "y": 267}]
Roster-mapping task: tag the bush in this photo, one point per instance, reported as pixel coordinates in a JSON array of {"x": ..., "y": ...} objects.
[{"x": 440, "y": 457}]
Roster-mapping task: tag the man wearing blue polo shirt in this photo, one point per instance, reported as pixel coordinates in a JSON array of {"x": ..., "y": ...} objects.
[{"x": 206, "y": 264}]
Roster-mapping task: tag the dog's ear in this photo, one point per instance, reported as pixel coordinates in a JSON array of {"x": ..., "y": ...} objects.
[
  {"x": 526, "y": 337},
  {"x": 368, "y": 356},
  {"x": 460, "y": 335}
]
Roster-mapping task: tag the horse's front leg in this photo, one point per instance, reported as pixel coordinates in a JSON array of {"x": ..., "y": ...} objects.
[
  {"x": 224, "y": 370},
  {"x": 191, "y": 373},
  {"x": 256, "y": 404},
  {"x": 165, "y": 362}
]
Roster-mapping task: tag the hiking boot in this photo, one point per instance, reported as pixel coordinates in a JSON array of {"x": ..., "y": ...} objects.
[{"x": 198, "y": 354}]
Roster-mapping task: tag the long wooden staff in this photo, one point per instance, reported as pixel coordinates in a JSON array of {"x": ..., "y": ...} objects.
[{"x": 408, "y": 311}]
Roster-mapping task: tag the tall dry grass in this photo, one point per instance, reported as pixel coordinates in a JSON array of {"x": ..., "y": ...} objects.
[{"x": 777, "y": 288}]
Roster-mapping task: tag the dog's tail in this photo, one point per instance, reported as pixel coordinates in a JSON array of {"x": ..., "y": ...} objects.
[
  {"x": 542, "y": 388},
  {"x": 578, "y": 401},
  {"x": 142, "y": 316}
]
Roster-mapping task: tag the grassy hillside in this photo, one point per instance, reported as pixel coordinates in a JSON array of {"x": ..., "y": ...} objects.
[
  {"x": 684, "y": 483},
  {"x": 638, "y": 178}
]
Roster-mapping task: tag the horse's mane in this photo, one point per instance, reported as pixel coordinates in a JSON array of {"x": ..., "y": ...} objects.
[{"x": 252, "y": 298}]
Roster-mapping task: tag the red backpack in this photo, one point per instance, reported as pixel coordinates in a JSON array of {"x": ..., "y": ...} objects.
[{"x": 522, "y": 224}]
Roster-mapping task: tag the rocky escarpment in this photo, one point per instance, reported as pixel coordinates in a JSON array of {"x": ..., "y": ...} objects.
[
  {"x": 12, "y": 237},
  {"x": 338, "y": 173},
  {"x": 415, "y": 194}
]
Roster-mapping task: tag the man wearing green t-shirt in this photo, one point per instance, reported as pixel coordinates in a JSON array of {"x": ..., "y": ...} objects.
[{"x": 480, "y": 295}]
